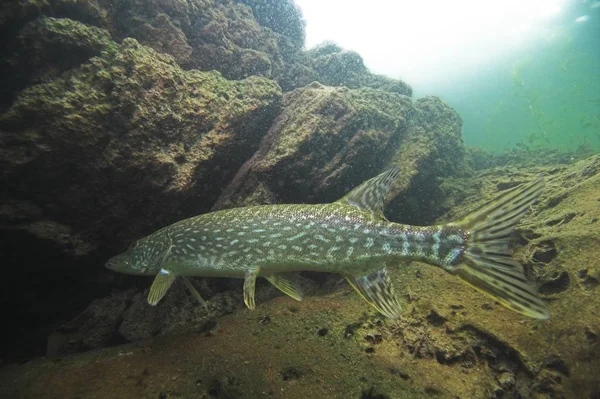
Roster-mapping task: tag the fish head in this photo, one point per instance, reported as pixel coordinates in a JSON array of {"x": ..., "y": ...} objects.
[
  {"x": 143, "y": 257},
  {"x": 120, "y": 263},
  {"x": 132, "y": 261}
]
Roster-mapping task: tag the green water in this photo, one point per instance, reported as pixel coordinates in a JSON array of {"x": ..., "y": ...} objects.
[{"x": 544, "y": 96}]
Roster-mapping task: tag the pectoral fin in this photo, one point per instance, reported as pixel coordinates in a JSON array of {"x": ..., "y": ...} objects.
[
  {"x": 163, "y": 281},
  {"x": 194, "y": 291},
  {"x": 286, "y": 283},
  {"x": 249, "y": 285},
  {"x": 376, "y": 288}
]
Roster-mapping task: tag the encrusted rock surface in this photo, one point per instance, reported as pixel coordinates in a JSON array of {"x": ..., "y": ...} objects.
[
  {"x": 129, "y": 123},
  {"x": 115, "y": 148},
  {"x": 237, "y": 38},
  {"x": 334, "y": 66},
  {"x": 325, "y": 141},
  {"x": 328, "y": 140}
]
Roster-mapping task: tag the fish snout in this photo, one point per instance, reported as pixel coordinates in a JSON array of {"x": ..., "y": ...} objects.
[
  {"x": 117, "y": 263},
  {"x": 111, "y": 264}
]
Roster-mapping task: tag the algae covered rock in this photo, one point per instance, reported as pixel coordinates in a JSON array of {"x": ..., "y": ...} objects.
[
  {"x": 205, "y": 35},
  {"x": 46, "y": 47},
  {"x": 201, "y": 34},
  {"x": 237, "y": 38},
  {"x": 136, "y": 125},
  {"x": 120, "y": 146},
  {"x": 328, "y": 140},
  {"x": 281, "y": 16},
  {"x": 431, "y": 150},
  {"x": 331, "y": 65}
]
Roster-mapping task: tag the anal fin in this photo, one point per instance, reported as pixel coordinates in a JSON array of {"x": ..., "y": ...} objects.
[
  {"x": 286, "y": 283},
  {"x": 162, "y": 282},
  {"x": 249, "y": 286},
  {"x": 194, "y": 291},
  {"x": 377, "y": 289}
]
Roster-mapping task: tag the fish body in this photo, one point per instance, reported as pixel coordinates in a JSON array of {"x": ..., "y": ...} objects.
[
  {"x": 350, "y": 237},
  {"x": 332, "y": 238}
]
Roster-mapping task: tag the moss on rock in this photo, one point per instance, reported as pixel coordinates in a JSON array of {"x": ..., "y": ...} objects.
[
  {"x": 46, "y": 47},
  {"x": 328, "y": 140},
  {"x": 430, "y": 150},
  {"x": 132, "y": 122},
  {"x": 331, "y": 65}
]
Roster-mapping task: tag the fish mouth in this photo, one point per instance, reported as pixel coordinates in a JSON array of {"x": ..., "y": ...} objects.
[
  {"x": 110, "y": 265},
  {"x": 114, "y": 263}
]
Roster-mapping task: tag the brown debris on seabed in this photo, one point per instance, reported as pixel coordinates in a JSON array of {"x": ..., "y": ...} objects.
[{"x": 452, "y": 341}]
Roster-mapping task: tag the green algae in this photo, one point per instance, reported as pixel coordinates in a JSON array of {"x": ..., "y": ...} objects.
[
  {"x": 67, "y": 32},
  {"x": 324, "y": 135},
  {"x": 131, "y": 110}
]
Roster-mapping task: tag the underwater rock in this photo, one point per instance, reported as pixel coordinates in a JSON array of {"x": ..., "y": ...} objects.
[
  {"x": 324, "y": 135},
  {"x": 178, "y": 314},
  {"x": 334, "y": 66},
  {"x": 329, "y": 139},
  {"x": 205, "y": 35},
  {"x": 202, "y": 34},
  {"x": 135, "y": 124},
  {"x": 431, "y": 150},
  {"x": 94, "y": 328},
  {"x": 119, "y": 146},
  {"x": 44, "y": 48},
  {"x": 281, "y": 16},
  {"x": 164, "y": 36},
  {"x": 238, "y": 38}
]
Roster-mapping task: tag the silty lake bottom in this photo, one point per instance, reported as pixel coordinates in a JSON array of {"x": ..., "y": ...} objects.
[{"x": 119, "y": 119}]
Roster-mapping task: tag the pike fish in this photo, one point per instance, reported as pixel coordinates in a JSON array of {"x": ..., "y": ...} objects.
[{"x": 350, "y": 237}]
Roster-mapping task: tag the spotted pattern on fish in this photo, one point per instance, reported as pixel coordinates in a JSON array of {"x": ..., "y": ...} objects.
[
  {"x": 350, "y": 237},
  {"x": 299, "y": 239}
]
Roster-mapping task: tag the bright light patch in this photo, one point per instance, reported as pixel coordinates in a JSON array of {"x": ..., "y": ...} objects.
[
  {"x": 582, "y": 19},
  {"x": 427, "y": 41}
]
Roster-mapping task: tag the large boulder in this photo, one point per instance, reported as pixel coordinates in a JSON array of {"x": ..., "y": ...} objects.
[
  {"x": 281, "y": 16},
  {"x": 204, "y": 34},
  {"x": 432, "y": 150},
  {"x": 150, "y": 136},
  {"x": 334, "y": 66},
  {"x": 237, "y": 38},
  {"x": 107, "y": 153},
  {"x": 328, "y": 140},
  {"x": 43, "y": 49},
  {"x": 325, "y": 141},
  {"x": 199, "y": 34}
]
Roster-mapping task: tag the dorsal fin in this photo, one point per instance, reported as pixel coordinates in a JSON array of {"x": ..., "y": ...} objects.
[{"x": 369, "y": 195}]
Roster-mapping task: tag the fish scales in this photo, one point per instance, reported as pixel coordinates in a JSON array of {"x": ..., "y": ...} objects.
[
  {"x": 281, "y": 238},
  {"x": 350, "y": 237}
]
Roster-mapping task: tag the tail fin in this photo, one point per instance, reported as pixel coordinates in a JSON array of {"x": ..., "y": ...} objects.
[{"x": 488, "y": 266}]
